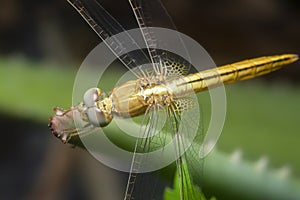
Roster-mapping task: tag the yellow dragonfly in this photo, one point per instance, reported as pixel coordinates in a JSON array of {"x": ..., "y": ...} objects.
[{"x": 162, "y": 92}]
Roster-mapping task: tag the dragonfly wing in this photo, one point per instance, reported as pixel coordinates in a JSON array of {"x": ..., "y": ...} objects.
[
  {"x": 194, "y": 162},
  {"x": 153, "y": 14},
  {"x": 143, "y": 21},
  {"x": 151, "y": 138},
  {"x": 177, "y": 125},
  {"x": 189, "y": 136},
  {"x": 106, "y": 27},
  {"x": 175, "y": 67}
]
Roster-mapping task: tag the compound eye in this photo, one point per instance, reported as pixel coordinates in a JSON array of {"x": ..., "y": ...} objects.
[
  {"x": 98, "y": 118},
  {"x": 92, "y": 95}
]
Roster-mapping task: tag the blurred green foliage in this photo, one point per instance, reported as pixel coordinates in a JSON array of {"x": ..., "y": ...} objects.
[
  {"x": 30, "y": 90},
  {"x": 262, "y": 119}
]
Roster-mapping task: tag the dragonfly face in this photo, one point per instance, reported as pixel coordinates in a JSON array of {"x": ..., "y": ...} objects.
[
  {"x": 94, "y": 111},
  {"x": 62, "y": 123},
  {"x": 98, "y": 107}
]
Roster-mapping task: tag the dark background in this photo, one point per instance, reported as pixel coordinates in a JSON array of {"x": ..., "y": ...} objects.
[{"x": 229, "y": 30}]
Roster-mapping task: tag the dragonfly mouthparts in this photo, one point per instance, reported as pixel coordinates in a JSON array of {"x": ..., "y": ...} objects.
[{"x": 62, "y": 123}]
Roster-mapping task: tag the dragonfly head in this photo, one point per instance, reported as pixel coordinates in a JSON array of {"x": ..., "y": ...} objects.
[
  {"x": 95, "y": 110},
  {"x": 98, "y": 107}
]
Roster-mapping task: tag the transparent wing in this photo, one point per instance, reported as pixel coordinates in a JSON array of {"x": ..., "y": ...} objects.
[
  {"x": 189, "y": 166},
  {"x": 149, "y": 37},
  {"x": 174, "y": 66},
  {"x": 153, "y": 14},
  {"x": 106, "y": 27},
  {"x": 177, "y": 124},
  {"x": 149, "y": 140}
]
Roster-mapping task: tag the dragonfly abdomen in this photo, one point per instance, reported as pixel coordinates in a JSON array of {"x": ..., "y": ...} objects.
[{"x": 242, "y": 70}]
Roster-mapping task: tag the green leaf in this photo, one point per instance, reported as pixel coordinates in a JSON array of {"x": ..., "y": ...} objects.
[{"x": 174, "y": 194}]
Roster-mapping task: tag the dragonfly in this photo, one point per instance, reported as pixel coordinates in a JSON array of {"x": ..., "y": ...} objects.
[{"x": 162, "y": 91}]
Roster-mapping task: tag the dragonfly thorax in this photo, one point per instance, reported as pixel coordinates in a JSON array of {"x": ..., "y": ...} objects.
[
  {"x": 98, "y": 107},
  {"x": 157, "y": 96}
]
